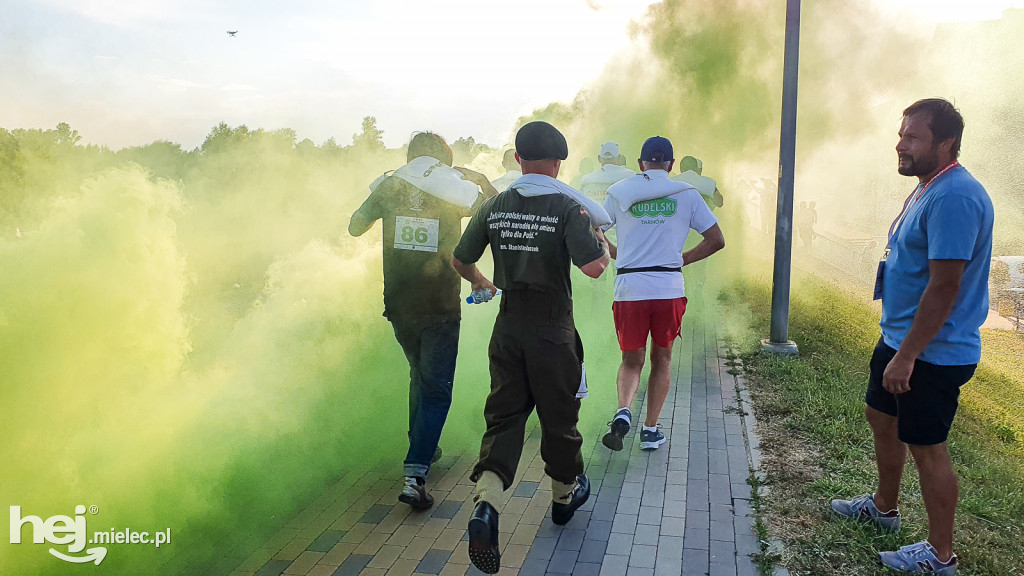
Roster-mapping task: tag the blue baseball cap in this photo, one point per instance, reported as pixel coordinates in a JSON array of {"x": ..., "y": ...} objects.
[{"x": 656, "y": 149}]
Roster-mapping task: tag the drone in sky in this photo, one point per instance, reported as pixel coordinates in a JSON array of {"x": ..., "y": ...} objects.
[{"x": 232, "y": 33}]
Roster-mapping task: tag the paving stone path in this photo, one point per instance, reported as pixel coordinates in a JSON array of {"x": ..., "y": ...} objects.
[{"x": 683, "y": 509}]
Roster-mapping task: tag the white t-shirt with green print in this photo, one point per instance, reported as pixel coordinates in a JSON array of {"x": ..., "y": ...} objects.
[{"x": 652, "y": 233}]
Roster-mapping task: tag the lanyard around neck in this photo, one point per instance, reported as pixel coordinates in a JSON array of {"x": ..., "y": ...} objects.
[{"x": 915, "y": 195}]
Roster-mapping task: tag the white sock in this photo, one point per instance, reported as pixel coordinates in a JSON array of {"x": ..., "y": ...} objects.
[
  {"x": 651, "y": 428},
  {"x": 623, "y": 414}
]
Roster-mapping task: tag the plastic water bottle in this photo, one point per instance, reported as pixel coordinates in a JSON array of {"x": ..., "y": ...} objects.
[{"x": 480, "y": 296}]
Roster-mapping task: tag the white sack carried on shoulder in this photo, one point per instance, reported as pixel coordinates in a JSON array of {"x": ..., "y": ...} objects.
[
  {"x": 641, "y": 188},
  {"x": 376, "y": 183},
  {"x": 503, "y": 182},
  {"x": 539, "y": 185},
  {"x": 437, "y": 179},
  {"x": 706, "y": 186},
  {"x": 606, "y": 175}
]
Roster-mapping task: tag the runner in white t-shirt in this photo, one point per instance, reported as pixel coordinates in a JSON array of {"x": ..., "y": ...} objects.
[
  {"x": 595, "y": 185},
  {"x": 612, "y": 170},
  {"x": 512, "y": 171},
  {"x": 653, "y": 215}
]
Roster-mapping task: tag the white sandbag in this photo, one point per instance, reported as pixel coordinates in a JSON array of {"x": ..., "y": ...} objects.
[
  {"x": 539, "y": 185},
  {"x": 437, "y": 179},
  {"x": 604, "y": 177},
  {"x": 706, "y": 186},
  {"x": 376, "y": 183},
  {"x": 503, "y": 182}
]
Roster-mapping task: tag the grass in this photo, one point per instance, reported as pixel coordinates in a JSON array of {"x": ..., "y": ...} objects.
[{"x": 817, "y": 445}]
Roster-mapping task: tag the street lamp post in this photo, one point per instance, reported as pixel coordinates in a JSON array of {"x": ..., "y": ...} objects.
[{"x": 779, "y": 342}]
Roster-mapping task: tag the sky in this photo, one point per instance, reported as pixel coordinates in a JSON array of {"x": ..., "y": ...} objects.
[{"x": 127, "y": 73}]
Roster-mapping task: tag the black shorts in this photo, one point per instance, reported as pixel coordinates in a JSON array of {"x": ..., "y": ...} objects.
[{"x": 924, "y": 414}]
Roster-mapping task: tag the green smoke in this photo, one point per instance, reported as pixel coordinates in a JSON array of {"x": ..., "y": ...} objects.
[
  {"x": 189, "y": 339},
  {"x": 708, "y": 75},
  {"x": 204, "y": 354}
]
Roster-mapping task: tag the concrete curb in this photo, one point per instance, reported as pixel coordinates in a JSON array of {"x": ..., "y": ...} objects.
[{"x": 753, "y": 443}]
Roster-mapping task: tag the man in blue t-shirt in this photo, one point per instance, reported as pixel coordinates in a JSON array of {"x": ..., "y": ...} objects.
[{"x": 933, "y": 283}]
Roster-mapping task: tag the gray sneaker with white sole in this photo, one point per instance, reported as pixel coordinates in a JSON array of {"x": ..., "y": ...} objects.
[{"x": 863, "y": 508}]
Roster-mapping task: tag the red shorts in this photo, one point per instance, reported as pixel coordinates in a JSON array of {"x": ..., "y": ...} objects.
[{"x": 634, "y": 320}]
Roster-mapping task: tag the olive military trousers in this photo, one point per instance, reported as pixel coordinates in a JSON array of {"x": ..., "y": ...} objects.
[{"x": 535, "y": 358}]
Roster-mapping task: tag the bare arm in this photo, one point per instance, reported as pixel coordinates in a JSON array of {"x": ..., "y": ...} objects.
[
  {"x": 932, "y": 311},
  {"x": 613, "y": 250},
  {"x": 359, "y": 224},
  {"x": 596, "y": 268},
  {"x": 713, "y": 241},
  {"x": 480, "y": 180},
  {"x": 476, "y": 278}
]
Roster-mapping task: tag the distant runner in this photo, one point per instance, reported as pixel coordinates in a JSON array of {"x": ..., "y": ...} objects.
[
  {"x": 512, "y": 172},
  {"x": 595, "y": 185},
  {"x": 691, "y": 171}
]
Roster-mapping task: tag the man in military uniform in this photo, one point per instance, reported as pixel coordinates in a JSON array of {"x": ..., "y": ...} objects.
[
  {"x": 421, "y": 206},
  {"x": 535, "y": 230}
]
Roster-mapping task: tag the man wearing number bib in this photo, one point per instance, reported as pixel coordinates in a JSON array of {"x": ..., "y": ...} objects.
[
  {"x": 421, "y": 206},
  {"x": 933, "y": 283}
]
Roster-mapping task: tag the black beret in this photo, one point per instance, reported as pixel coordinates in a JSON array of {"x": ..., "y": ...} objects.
[{"x": 541, "y": 141}]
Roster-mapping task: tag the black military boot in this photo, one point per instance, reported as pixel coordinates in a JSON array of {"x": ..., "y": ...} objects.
[
  {"x": 562, "y": 513},
  {"x": 483, "y": 539}
]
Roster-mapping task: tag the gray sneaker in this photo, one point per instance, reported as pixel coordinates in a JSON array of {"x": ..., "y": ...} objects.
[
  {"x": 415, "y": 494},
  {"x": 918, "y": 558},
  {"x": 863, "y": 508}
]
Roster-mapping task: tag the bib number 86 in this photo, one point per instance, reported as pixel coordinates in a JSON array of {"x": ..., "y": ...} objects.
[{"x": 419, "y": 235}]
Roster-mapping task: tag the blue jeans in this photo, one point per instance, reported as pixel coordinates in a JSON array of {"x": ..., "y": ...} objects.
[{"x": 430, "y": 344}]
